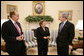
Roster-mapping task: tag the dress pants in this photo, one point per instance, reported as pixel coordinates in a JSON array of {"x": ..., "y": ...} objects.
[
  {"x": 43, "y": 48},
  {"x": 16, "y": 50},
  {"x": 62, "y": 49}
]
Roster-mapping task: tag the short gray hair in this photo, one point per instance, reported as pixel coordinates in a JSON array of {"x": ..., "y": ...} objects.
[{"x": 66, "y": 15}]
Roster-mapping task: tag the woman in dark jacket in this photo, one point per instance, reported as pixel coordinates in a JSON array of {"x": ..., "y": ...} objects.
[{"x": 42, "y": 38}]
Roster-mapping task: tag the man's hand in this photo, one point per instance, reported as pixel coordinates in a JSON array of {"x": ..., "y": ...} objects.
[
  {"x": 22, "y": 37},
  {"x": 45, "y": 37},
  {"x": 19, "y": 38}
]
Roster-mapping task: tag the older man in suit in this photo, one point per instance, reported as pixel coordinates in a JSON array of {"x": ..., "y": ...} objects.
[
  {"x": 65, "y": 36},
  {"x": 13, "y": 35}
]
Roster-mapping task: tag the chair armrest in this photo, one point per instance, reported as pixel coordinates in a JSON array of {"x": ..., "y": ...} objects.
[
  {"x": 26, "y": 44},
  {"x": 70, "y": 46},
  {"x": 34, "y": 38},
  {"x": 4, "y": 53}
]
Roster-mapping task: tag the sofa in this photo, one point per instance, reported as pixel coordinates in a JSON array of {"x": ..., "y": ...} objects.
[{"x": 77, "y": 52}]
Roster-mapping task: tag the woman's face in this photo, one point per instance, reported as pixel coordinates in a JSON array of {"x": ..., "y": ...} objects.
[{"x": 44, "y": 24}]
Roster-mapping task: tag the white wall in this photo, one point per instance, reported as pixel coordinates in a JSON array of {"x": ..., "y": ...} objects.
[
  {"x": 24, "y": 9},
  {"x": 51, "y": 8}
]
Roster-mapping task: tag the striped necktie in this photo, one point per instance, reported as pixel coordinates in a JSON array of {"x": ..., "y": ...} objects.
[
  {"x": 61, "y": 26},
  {"x": 17, "y": 29}
]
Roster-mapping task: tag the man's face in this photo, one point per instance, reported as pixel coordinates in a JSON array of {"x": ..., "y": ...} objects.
[
  {"x": 62, "y": 19},
  {"x": 16, "y": 16}
]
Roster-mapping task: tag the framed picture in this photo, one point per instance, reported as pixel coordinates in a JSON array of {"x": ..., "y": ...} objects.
[
  {"x": 11, "y": 8},
  {"x": 38, "y": 8},
  {"x": 69, "y": 12}
]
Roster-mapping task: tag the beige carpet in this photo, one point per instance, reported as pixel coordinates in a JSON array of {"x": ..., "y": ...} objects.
[{"x": 34, "y": 51}]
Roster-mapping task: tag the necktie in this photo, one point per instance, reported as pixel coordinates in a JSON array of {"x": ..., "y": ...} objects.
[
  {"x": 17, "y": 29},
  {"x": 61, "y": 26}
]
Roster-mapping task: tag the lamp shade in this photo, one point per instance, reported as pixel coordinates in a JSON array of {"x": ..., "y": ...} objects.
[{"x": 79, "y": 25}]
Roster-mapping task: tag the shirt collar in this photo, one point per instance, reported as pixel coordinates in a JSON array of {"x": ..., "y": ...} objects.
[
  {"x": 65, "y": 21},
  {"x": 12, "y": 20}
]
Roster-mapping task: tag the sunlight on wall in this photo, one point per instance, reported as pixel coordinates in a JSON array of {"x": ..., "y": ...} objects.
[{"x": 51, "y": 8}]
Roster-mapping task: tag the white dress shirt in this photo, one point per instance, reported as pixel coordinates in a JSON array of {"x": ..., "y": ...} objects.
[{"x": 64, "y": 22}]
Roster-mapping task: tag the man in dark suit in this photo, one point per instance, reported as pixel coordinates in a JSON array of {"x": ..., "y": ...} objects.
[
  {"x": 13, "y": 35},
  {"x": 65, "y": 35}
]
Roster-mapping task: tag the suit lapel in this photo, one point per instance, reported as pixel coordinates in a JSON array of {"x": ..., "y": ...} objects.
[
  {"x": 13, "y": 27},
  {"x": 65, "y": 26},
  {"x": 59, "y": 27},
  {"x": 42, "y": 29}
]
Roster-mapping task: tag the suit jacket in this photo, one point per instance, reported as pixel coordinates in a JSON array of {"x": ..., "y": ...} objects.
[
  {"x": 67, "y": 34},
  {"x": 9, "y": 34},
  {"x": 40, "y": 33}
]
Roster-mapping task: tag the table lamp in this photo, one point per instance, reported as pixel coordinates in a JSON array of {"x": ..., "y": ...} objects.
[{"x": 79, "y": 27}]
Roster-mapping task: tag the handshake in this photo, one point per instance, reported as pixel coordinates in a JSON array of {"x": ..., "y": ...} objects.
[{"x": 20, "y": 38}]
